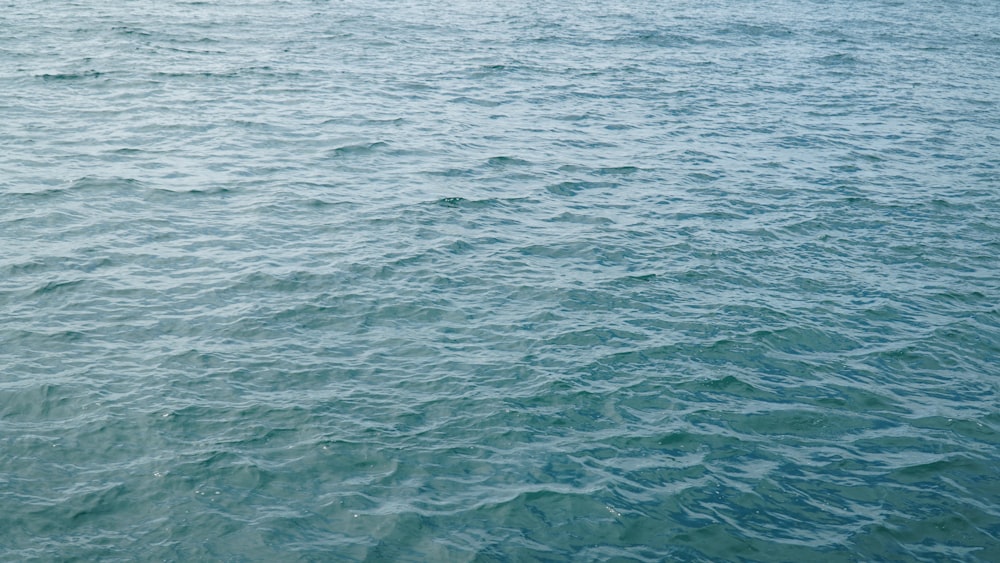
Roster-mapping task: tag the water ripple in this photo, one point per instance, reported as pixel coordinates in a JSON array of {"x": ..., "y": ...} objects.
[{"x": 501, "y": 281}]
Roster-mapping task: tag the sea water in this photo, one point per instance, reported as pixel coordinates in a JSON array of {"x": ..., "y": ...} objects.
[{"x": 500, "y": 281}]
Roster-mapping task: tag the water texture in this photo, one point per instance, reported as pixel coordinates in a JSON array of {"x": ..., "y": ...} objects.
[{"x": 500, "y": 281}]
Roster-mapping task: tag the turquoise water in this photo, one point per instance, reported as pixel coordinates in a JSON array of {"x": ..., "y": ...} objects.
[{"x": 500, "y": 281}]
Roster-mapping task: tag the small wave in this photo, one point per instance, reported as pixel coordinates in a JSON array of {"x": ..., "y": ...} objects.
[
  {"x": 475, "y": 101},
  {"x": 127, "y": 30},
  {"x": 67, "y": 76},
  {"x": 617, "y": 170},
  {"x": 503, "y": 161},
  {"x": 701, "y": 178},
  {"x": 461, "y": 202},
  {"x": 747, "y": 30},
  {"x": 580, "y": 219},
  {"x": 573, "y": 188},
  {"x": 53, "y": 287},
  {"x": 358, "y": 149},
  {"x": 840, "y": 60}
]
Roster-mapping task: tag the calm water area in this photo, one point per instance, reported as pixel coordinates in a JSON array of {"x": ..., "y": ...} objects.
[{"x": 403, "y": 280}]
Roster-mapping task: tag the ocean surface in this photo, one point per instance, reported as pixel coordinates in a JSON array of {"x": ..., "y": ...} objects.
[{"x": 500, "y": 281}]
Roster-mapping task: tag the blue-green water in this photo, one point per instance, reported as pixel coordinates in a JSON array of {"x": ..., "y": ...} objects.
[{"x": 500, "y": 281}]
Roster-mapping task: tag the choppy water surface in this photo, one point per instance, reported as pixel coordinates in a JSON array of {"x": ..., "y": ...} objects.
[{"x": 500, "y": 281}]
